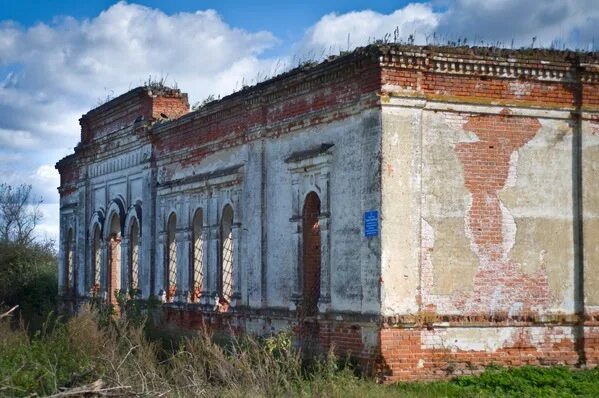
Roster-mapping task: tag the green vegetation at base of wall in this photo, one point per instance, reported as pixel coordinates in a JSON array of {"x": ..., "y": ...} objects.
[{"x": 79, "y": 355}]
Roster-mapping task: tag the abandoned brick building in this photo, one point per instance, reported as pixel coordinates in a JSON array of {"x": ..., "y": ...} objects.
[{"x": 430, "y": 209}]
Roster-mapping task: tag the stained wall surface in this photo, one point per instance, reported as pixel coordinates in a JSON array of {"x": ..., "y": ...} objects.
[
  {"x": 488, "y": 211},
  {"x": 491, "y": 215}
]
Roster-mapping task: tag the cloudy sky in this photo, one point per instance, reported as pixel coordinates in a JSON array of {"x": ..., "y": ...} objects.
[{"x": 60, "y": 59}]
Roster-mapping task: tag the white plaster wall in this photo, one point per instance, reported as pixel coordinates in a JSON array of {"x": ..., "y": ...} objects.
[
  {"x": 400, "y": 209},
  {"x": 590, "y": 208},
  {"x": 127, "y": 176},
  {"x": 69, "y": 218},
  {"x": 493, "y": 339},
  {"x": 354, "y": 188}
]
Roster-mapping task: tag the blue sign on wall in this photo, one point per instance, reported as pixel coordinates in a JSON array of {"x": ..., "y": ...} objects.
[{"x": 371, "y": 223}]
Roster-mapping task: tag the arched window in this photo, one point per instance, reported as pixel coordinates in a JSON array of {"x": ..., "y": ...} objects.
[
  {"x": 226, "y": 254},
  {"x": 134, "y": 255},
  {"x": 171, "y": 258},
  {"x": 197, "y": 257},
  {"x": 96, "y": 260},
  {"x": 69, "y": 269},
  {"x": 311, "y": 254},
  {"x": 114, "y": 257}
]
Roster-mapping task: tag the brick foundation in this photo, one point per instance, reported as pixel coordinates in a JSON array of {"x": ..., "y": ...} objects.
[
  {"x": 345, "y": 339},
  {"x": 396, "y": 353},
  {"x": 413, "y": 354}
]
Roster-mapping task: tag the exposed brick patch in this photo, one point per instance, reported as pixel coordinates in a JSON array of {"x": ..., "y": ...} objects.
[
  {"x": 486, "y": 168},
  {"x": 500, "y": 287},
  {"x": 409, "y": 354},
  {"x": 591, "y": 346},
  {"x": 173, "y": 106},
  {"x": 590, "y": 95}
]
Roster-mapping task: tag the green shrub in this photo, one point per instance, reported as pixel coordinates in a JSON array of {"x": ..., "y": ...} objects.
[
  {"x": 42, "y": 363},
  {"x": 530, "y": 381},
  {"x": 28, "y": 278}
]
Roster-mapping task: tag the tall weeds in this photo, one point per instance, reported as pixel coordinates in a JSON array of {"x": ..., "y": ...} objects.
[
  {"x": 80, "y": 351},
  {"x": 87, "y": 356}
]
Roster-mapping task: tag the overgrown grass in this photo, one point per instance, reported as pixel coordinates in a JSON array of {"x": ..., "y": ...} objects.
[{"x": 120, "y": 359}]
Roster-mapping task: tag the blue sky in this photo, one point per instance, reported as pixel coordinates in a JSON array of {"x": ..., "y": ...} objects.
[
  {"x": 59, "y": 59},
  {"x": 286, "y": 19}
]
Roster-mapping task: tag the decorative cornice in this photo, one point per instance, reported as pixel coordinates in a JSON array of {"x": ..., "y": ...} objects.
[
  {"x": 553, "y": 66},
  {"x": 309, "y": 153},
  {"x": 589, "y": 73},
  {"x": 122, "y": 162},
  {"x": 213, "y": 178}
]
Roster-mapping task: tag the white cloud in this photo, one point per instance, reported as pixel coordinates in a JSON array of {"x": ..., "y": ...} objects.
[
  {"x": 65, "y": 68},
  {"x": 49, "y": 226},
  {"x": 59, "y": 71},
  {"x": 572, "y": 23},
  {"x": 50, "y": 74},
  {"x": 560, "y": 22},
  {"x": 18, "y": 139},
  {"x": 45, "y": 180},
  {"x": 334, "y": 32}
]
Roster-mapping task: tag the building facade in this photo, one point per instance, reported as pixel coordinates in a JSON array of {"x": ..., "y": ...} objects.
[{"x": 428, "y": 210}]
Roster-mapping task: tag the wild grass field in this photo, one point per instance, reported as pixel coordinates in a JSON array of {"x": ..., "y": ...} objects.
[{"x": 84, "y": 355}]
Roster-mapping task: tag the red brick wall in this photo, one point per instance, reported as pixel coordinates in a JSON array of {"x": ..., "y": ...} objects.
[
  {"x": 404, "y": 358},
  {"x": 172, "y": 106},
  {"x": 591, "y": 345},
  {"x": 343, "y": 338},
  {"x": 122, "y": 111},
  {"x": 590, "y": 96},
  {"x": 401, "y": 353},
  {"x": 542, "y": 81},
  {"x": 290, "y": 102},
  {"x": 486, "y": 164},
  {"x": 556, "y": 83}
]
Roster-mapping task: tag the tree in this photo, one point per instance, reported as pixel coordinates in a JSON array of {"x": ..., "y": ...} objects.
[
  {"x": 19, "y": 214},
  {"x": 28, "y": 276}
]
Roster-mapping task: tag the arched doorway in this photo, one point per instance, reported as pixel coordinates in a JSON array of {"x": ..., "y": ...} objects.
[
  {"x": 309, "y": 328},
  {"x": 114, "y": 258},
  {"x": 311, "y": 254}
]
